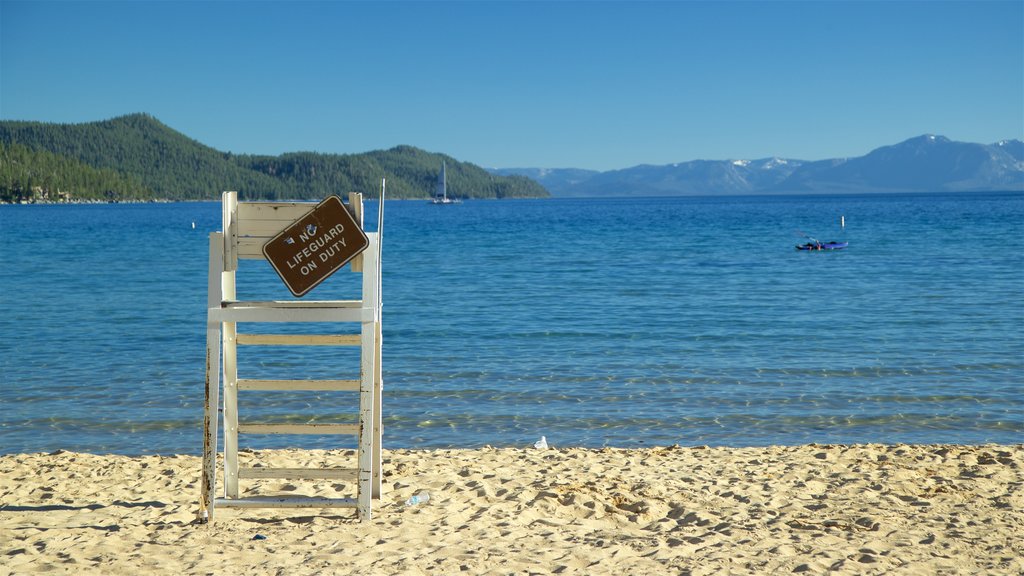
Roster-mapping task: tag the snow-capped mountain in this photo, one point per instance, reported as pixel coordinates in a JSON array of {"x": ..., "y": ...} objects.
[{"x": 927, "y": 163}]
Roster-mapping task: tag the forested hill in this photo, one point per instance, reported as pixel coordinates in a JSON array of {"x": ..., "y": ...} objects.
[
  {"x": 137, "y": 157},
  {"x": 41, "y": 176}
]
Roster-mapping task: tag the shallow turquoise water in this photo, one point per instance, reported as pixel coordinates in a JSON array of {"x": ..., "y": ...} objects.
[{"x": 624, "y": 322}]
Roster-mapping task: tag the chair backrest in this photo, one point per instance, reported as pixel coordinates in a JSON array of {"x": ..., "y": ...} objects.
[{"x": 248, "y": 226}]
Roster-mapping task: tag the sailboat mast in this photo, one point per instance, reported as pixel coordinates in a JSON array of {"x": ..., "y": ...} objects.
[{"x": 441, "y": 192}]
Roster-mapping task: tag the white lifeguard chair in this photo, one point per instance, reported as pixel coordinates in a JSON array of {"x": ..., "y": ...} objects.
[{"x": 247, "y": 226}]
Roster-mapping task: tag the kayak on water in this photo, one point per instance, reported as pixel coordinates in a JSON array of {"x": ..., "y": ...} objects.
[{"x": 822, "y": 246}]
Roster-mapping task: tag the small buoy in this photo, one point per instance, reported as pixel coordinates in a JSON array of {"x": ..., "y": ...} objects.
[
  {"x": 193, "y": 225},
  {"x": 842, "y": 222}
]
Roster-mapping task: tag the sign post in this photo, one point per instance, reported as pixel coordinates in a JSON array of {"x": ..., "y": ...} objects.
[{"x": 315, "y": 246}]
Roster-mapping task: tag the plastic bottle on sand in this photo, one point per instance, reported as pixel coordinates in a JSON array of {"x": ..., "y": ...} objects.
[{"x": 421, "y": 498}]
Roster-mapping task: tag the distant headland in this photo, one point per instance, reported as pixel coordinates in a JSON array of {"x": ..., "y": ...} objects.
[{"x": 136, "y": 158}]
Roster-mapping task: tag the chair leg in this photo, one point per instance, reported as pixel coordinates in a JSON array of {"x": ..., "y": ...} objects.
[
  {"x": 367, "y": 383},
  {"x": 378, "y": 400},
  {"x": 213, "y": 370},
  {"x": 210, "y": 419},
  {"x": 230, "y": 353}
]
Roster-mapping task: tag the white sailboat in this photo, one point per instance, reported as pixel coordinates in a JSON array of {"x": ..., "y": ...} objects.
[{"x": 441, "y": 194}]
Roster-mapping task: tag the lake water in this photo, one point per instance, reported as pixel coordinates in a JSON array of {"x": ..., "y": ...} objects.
[{"x": 593, "y": 322}]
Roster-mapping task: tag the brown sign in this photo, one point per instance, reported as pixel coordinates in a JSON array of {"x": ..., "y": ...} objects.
[{"x": 315, "y": 246}]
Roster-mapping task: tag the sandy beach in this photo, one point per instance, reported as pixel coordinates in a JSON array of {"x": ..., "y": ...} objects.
[{"x": 863, "y": 509}]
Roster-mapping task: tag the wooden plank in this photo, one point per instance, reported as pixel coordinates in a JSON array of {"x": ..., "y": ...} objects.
[
  {"x": 266, "y": 219},
  {"x": 298, "y": 428},
  {"x": 229, "y": 224},
  {"x": 368, "y": 381},
  {"x": 295, "y": 385},
  {"x": 378, "y": 399},
  {"x": 355, "y": 206},
  {"x": 251, "y": 247},
  {"x": 293, "y": 304},
  {"x": 213, "y": 370},
  {"x": 262, "y": 228},
  {"x": 286, "y": 502},
  {"x": 261, "y": 221},
  {"x": 295, "y": 314},
  {"x": 230, "y": 411},
  {"x": 300, "y": 473},
  {"x": 298, "y": 339},
  {"x": 274, "y": 211}
]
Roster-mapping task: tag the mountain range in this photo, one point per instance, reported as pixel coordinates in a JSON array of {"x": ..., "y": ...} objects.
[
  {"x": 136, "y": 157},
  {"x": 927, "y": 163}
]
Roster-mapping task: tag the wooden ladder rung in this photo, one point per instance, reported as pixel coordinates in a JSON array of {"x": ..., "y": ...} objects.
[
  {"x": 321, "y": 385},
  {"x": 286, "y": 502},
  {"x": 279, "y": 312},
  {"x": 321, "y": 304},
  {"x": 300, "y": 473},
  {"x": 299, "y": 339},
  {"x": 298, "y": 428}
]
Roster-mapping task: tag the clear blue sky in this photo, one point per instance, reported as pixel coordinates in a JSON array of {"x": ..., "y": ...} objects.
[{"x": 598, "y": 85}]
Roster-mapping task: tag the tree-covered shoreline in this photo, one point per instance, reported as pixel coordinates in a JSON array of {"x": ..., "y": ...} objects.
[
  {"x": 30, "y": 176},
  {"x": 136, "y": 158}
]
